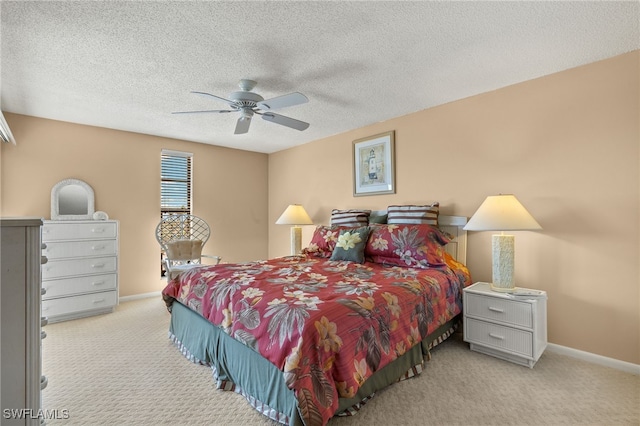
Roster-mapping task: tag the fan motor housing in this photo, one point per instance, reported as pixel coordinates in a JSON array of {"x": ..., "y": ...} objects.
[{"x": 244, "y": 99}]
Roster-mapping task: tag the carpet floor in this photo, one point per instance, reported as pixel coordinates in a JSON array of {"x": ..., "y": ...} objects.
[{"x": 121, "y": 369}]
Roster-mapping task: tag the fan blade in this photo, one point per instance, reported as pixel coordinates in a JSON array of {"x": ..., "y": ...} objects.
[
  {"x": 285, "y": 121},
  {"x": 295, "y": 98},
  {"x": 213, "y": 96},
  {"x": 221, "y": 111},
  {"x": 242, "y": 125}
]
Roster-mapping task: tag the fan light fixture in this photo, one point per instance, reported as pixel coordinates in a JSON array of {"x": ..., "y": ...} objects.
[
  {"x": 502, "y": 213},
  {"x": 295, "y": 215}
]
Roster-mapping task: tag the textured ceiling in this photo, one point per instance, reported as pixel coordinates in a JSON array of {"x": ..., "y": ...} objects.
[{"x": 128, "y": 65}]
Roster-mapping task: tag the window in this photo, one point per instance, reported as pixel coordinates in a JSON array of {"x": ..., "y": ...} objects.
[
  {"x": 175, "y": 186},
  {"x": 175, "y": 183}
]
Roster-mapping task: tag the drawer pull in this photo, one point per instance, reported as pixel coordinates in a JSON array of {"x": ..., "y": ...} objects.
[
  {"x": 97, "y": 265},
  {"x": 496, "y": 336},
  {"x": 492, "y": 309},
  {"x": 44, "y": 321},
  {"x": 97, "y": 283},
  {"x": 43, "y": 382},
  {"x": 97, "y": 230},
  {"x": 94, "y": 248},
  {"x": 43, "y": 334},
  {"x": 98, "y": 301},
  {"x": 43, "y": 260},
  {"x": 43, "y": 291}
]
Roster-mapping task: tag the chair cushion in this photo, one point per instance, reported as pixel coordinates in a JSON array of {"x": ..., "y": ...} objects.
[{"x": 184, "y": 250}]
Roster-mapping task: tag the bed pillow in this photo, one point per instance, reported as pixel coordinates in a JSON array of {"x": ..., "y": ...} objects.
[
  {"x": 350, "y": 245},
  {"x": 427, "y": 214},
  {"x": 323, "y": 241},
  {"x": 419, "y": 246},
  {"x": 353, "y": 218},
  {"x": 377, "y": 218}
]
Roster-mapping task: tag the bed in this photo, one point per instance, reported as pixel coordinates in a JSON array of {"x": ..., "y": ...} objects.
[{"x": 308, "y": 337}]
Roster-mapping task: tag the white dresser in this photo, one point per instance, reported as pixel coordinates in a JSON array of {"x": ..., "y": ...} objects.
[
  {"x": 21, "y": 324},
  {"x": 81, "y": 277},
  {"x": 510, "y": 327}
]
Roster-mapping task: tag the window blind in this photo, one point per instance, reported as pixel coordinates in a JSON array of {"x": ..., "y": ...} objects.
[{"x": 175, "y": 182}]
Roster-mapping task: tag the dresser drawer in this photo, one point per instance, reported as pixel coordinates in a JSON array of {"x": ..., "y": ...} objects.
[
  {"x": 66, "y": 268},
  {"x": 62, "y": 249},
  {"x": 500, "y": 337},
  {"x": 85, "y": 302},
  {"x": 496, "y": 309},
  {"x": 78, "y": 231},
  {"x": 78, "y": 285}
]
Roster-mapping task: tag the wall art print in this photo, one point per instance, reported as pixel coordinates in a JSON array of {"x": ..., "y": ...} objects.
[{"x": 373, "y": 165}]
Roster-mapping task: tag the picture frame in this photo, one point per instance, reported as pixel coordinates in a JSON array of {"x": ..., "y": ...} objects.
[{"x": 374, "y": 165}]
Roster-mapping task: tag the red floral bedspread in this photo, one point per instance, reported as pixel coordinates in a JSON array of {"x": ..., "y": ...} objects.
[{"x": 328, "y": 325}]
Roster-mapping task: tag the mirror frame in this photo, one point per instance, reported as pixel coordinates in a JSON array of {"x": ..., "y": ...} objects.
[{"x": 55, "y": 194}]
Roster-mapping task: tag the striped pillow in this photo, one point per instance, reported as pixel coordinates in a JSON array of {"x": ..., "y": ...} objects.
[
  {"x": 351, "y": 218},
  {"x": 414, "y": 214}
]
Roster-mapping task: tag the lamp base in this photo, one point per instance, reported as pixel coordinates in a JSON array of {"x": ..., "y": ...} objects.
[
  {"x": 502, "y": 289},
  {"x": 296, "y": 240},
  {"x": 503, "y": 249}
]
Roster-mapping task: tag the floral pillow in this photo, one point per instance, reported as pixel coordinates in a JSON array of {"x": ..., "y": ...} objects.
[
  {"x": 419, "y": 246},
  {"x": 350, "y": 245},
  {"x": 323, "y": 241}
]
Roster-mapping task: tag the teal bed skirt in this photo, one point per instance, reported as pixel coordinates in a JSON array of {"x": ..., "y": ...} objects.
[{"x": 239, "y": 368}]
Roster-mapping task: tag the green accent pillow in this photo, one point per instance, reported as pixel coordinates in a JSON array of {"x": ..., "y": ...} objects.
[
  {"x": 378, "y": 218},
  {"x": 350, "y": 245}
]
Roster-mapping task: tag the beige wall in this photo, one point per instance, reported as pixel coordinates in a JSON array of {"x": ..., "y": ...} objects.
[
  {"x": 229, "y": 189},
  {"x": 567, "y": 145}
]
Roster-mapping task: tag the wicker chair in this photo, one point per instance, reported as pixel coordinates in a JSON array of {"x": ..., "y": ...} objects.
[{"x": 182, "y": 238}]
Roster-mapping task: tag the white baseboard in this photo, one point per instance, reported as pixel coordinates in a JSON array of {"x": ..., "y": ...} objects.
[
  {"x": 627, "y": 367},
  {"x": 141, "y": 296}
]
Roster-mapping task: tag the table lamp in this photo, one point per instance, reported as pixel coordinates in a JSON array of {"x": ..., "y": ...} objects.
[
  {"x": 295, "y": 215},
  {"x": 502, "y": 213}
]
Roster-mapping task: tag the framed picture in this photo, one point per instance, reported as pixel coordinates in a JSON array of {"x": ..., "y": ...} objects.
[{"x": 373, "y": 165}]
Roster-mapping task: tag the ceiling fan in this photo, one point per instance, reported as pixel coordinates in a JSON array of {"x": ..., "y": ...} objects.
[{"x": 248, "y": 103}]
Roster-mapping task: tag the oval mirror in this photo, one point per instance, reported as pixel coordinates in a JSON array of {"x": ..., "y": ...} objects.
[{"x": 72, "y": 199}]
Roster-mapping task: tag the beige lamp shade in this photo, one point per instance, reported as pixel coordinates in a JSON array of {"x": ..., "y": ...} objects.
[
  {"x": 502, "y": 213},
  {"x": 295, "y": 215}
]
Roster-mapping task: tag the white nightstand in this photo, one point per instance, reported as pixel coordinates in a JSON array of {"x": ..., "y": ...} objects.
[{"x": 510, "y": 327}]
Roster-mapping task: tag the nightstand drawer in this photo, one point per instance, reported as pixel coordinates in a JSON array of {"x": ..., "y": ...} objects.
[
  {"x": 502, "y": 310},
  {"x": 504, "y": 338}
]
